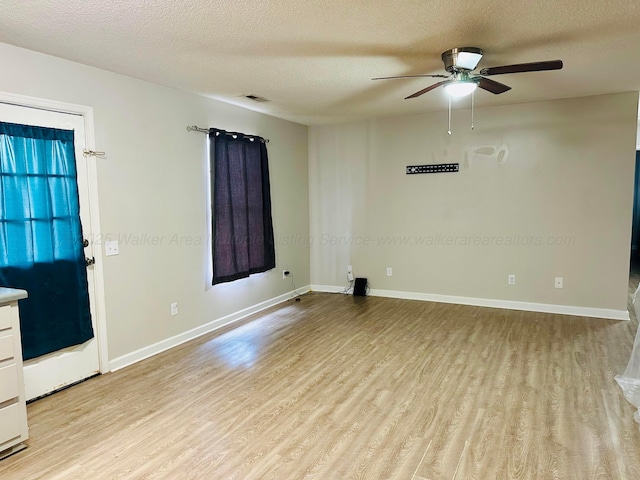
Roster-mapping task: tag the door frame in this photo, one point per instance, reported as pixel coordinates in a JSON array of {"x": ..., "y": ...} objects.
[{"x": 94, "y": 212}]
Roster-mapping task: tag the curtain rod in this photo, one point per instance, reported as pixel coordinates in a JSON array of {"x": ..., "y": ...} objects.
[{"x": 195, "y": 128}]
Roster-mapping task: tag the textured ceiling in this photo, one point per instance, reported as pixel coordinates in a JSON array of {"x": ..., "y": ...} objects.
[{"x": 314, "y": 60}]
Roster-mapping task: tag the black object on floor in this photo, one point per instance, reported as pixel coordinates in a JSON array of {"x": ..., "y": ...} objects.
[{"x": 360, "y": 287}]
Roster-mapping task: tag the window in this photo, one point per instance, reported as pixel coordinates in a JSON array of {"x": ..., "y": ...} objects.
[{"x": 242, "y": 227}]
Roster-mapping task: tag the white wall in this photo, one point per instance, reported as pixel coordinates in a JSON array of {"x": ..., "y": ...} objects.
[
  {"x": 153, "y": 183},
  {"x": 568, "y": 173},
  {"x": 529, "y": 173}
]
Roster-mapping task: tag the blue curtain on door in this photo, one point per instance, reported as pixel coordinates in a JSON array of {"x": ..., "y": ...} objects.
[
  {"x": 41, "y": 239},
  {"x": 635, "y": 225}
]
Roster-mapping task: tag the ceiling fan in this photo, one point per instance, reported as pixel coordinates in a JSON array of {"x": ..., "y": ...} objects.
[{"x": 461, "y": 62}]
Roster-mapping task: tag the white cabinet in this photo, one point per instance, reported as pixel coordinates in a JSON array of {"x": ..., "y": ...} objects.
[{"x": 13, "y": 408}]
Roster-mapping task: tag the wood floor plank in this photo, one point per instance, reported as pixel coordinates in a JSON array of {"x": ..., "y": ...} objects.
[{"x": 337, "y": 387}]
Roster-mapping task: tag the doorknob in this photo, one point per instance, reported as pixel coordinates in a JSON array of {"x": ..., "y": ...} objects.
[
  {"x": 89, "y": 261},
  {"x": 85, "y": 243}
]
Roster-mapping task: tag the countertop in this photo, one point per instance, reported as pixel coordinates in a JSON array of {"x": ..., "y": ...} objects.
[{"x": 11, "y": 294}]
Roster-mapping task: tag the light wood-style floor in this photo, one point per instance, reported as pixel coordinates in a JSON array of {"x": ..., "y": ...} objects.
[{"x": 337, "y": 387}]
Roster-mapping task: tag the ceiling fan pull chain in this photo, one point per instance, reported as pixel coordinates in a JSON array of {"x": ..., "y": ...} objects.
[
  {"x": 449, "y": 130},
  {"x": 473, "y": 102}
]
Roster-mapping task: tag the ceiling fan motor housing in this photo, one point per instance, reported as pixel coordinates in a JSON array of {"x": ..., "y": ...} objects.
[{"x": 463, "y": 59}]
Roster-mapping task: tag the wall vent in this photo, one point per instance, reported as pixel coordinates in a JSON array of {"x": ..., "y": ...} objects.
[{"x": 255, "y": 98}]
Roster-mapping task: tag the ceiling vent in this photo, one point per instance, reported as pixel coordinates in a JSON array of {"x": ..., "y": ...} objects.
[{"x": 256, "y": 98}]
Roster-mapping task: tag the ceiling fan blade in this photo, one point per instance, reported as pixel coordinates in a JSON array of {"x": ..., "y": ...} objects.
[
  {"x": 491, "y": 85},
  {"x": 428, "y": 89},
  {"x": 523, "y": 67},
  {"x": 410, "y": 76}
]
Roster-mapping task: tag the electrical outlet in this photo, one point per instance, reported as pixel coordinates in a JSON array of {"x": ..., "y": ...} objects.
[
  {"x": 285, "y": 274},
  {"x": 174, "y": 308},
  {"x": 511, "y": 280},
  {"x": 559, "y": 282},
  {"x": 389, "y": 272},
  {"x": 350, "y": 273}
]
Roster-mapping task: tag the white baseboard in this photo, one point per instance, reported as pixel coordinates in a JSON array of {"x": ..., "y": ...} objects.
[
  {"x": 159, "y": 347},
  {"x": 489, "y": 302},
  {"x": 327, "y": 289}
]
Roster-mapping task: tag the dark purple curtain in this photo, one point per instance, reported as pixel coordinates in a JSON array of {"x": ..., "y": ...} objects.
[{"x": 241, "y": 217}]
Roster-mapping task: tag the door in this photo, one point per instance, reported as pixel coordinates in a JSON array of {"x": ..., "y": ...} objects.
[{"x": 56, "y": 370}]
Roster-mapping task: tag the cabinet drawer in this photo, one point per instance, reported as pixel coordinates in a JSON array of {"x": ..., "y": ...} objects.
[
  {"x": 6, "y": 347},
  {"x": 8, "y": 383},
  {"x": 5, "y": 317},
  {"x": 10, "y": 419}
]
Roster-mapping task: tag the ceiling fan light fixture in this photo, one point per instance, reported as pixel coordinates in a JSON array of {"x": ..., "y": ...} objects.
[
  {"x": 460, "y": 89},
  {"x": 461, "y": 59},
  {"x": 467, "y": 60}
]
